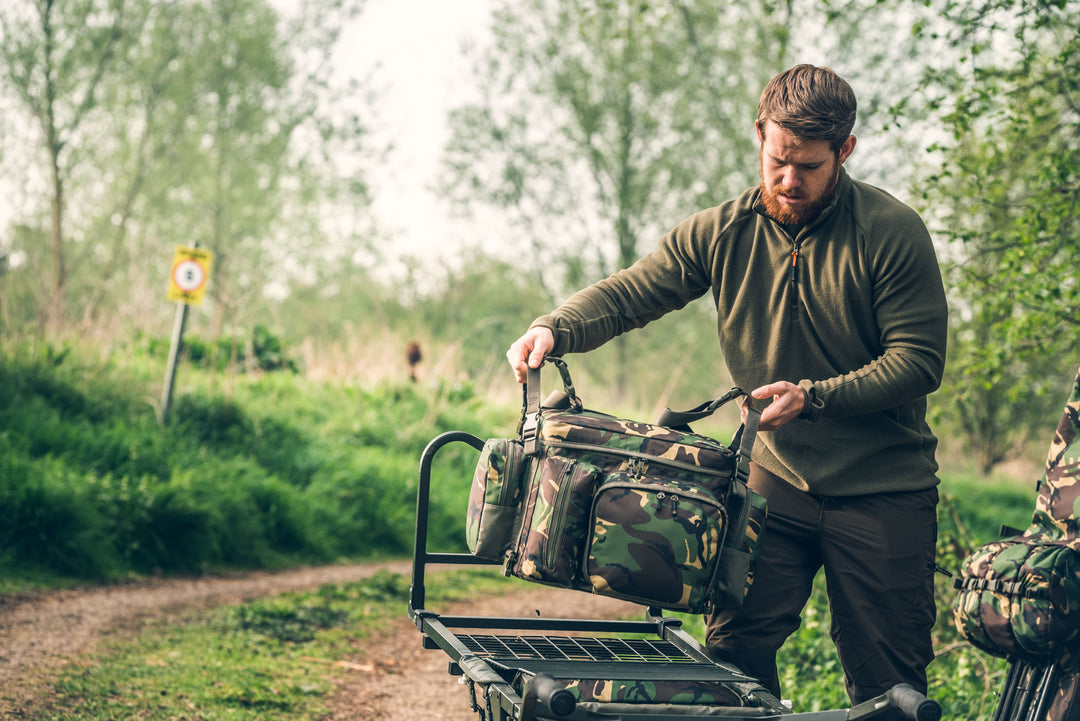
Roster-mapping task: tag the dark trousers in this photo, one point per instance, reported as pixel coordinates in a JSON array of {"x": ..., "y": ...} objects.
[{"x": 877, "y": 552}]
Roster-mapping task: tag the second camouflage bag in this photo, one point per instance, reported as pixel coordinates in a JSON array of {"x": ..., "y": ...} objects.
[
  {"x": 649, "y": 513},
  {"x": 1019, "y": 597}
]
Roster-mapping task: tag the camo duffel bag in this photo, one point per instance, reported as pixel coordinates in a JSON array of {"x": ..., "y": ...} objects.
[
  {"x": 1020, "y": 597},
  {"x": 649, "y": 513}
]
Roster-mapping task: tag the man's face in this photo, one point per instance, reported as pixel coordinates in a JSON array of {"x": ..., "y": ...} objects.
[{"x": 798, "y": 178}]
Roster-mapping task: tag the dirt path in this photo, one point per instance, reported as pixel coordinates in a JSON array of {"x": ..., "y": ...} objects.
[{"x": 397, "y": 679}]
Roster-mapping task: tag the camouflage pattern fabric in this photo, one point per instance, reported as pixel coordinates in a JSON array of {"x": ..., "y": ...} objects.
[
  {"x": 1020, "y": 597},
  {"x": 736, "y": 572},
  {"x": 616, "y": 439},
  {"x": 1065, "y": 701},
  {"x": 494, "y": 499},
  {"x": 554, "y": 520},
  {"x": 1057, "y": 507},
  {"x": 694, "y": 693},
  {"x": 632, "y": 510},
  {"x": 654, "y": 542}
]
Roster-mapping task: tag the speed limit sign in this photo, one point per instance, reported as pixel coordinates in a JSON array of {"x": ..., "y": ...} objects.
[{"x": 190, "y": 271}]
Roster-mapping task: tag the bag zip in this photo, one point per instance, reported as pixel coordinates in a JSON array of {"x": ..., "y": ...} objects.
[
  {"x": 663, "y": 487},
  {"x": 511, "y": 473},
  {"x": 607, "y": 450},
  {"x": 551, "y": 550},
  {"x": 523, "y": 528}
]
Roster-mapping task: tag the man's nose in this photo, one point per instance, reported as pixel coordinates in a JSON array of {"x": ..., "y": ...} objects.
[{"x": 792, "y": 178}]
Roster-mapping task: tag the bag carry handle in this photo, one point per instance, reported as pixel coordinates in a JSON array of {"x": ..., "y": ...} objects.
[
  {"x": 676, "y": 420},
  {"x": 680, "y": 420},
  {"x": 531, "y": 404}
]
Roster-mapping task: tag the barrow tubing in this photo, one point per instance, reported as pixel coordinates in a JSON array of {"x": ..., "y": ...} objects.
[
  {"x": 913, "y": 704},
  {"x": 546, "y": 691}
]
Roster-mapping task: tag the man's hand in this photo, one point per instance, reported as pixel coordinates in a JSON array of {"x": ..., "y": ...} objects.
[
  {"x": 787, "y": 403},
  {"x": 529, "y": 351}
]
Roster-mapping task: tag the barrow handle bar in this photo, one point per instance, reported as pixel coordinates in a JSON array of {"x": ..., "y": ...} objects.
[{"x": 914, "y": 704}]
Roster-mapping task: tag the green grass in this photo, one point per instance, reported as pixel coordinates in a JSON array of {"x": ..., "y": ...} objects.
[
  {"x": 272, "y": 658},
  {"x": 275, "y": 657},
  {"x": 250, "y": 472}
]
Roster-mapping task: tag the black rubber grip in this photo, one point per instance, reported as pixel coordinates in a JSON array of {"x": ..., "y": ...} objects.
[
  {"x": 913, "y": 704},
  {"x": 548, "y": 692}
]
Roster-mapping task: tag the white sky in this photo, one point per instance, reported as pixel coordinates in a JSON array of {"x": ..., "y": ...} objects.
[{"x": 415, "y": 48}]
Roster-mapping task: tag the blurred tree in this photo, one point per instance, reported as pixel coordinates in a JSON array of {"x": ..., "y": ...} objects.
[
  {"x": 220, "y": 123},
  {"x": 602, "y": 124},
  {"x": 55, "y": 58},
  {"x": 1005, "y": 195}
]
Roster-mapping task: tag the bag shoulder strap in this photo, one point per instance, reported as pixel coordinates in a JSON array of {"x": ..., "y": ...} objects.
[
  {"x": 681, "y": 420},
  {"x": 744, "y": 437}
]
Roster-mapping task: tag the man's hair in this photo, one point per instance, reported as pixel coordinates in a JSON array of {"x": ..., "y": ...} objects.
[{"x": 811, "y": 103}]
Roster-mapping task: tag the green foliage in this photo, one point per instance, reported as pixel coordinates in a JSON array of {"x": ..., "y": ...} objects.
[
  {"x": 157, "y": 124},
  {"x": 262, "y": 352},
  {"x": 280, "y": 470},
  {"x": 1003, "y": 192}
]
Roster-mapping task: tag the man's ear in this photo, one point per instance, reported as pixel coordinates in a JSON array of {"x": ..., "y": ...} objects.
[
  {"x": 760, "y": 131},
  {"x": 847, "y": 149}
]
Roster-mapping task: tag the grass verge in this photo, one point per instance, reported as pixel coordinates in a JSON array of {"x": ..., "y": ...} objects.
[{"x": 272, "y": 658}]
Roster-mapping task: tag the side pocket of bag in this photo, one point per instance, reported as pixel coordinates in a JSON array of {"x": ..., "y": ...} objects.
[
  {"x": 495, "y": 499},
  {"x": 747, "y": 511}
]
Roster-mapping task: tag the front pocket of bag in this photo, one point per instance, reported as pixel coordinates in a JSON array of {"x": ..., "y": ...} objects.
[
  {"x": 557, "y": 525},
  {"x": 655, "y": 543},
  {"x": 494, "y": 499}
]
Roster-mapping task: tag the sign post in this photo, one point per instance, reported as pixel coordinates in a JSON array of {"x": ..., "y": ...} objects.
[{"x": 187, "y": 283}]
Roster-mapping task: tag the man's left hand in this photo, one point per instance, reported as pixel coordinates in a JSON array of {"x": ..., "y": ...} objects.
[{"x": 787, "y": 404}]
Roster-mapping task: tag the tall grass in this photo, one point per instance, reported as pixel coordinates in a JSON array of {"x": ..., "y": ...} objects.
[{"x": 259, "y": 471}]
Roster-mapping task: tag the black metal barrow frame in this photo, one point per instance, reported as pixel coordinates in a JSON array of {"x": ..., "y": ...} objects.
[{"x": 509, "y": 664}]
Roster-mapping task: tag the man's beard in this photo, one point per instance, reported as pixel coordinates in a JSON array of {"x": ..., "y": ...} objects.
[{"x": 795, "y": 216}]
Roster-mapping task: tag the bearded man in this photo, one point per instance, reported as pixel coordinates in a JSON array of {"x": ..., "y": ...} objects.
[{"x": 830, "y": 305}]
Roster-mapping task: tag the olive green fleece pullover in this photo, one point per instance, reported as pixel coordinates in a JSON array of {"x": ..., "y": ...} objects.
[{"x": 850, "y": 307}]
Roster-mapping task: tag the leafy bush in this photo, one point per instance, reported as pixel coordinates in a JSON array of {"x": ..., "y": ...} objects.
[{"x": 279, "y": 470}]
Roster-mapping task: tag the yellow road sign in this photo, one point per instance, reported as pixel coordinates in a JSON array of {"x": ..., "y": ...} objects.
[{"x": 190, "y": 271}]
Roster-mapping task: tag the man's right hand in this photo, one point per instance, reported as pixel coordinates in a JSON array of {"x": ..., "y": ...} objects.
[{"x": 529, "y": 351}]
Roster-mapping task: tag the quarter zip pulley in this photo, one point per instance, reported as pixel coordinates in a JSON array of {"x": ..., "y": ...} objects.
[{"x": 794, "y": 277}]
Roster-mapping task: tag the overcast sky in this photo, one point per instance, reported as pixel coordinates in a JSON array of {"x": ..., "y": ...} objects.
[{"x": 415, "y": 47}]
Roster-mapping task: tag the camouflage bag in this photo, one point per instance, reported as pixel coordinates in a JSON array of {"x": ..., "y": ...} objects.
[
  {"x": 637, "y": 511},
  {"x": 1020, "y": 597}
]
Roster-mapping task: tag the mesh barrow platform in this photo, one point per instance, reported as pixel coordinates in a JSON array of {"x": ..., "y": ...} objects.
[{"x": 566, "y": 669}]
